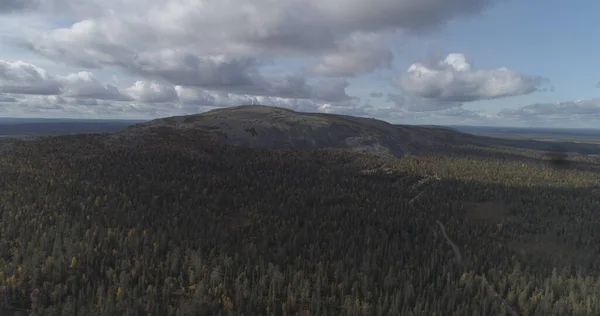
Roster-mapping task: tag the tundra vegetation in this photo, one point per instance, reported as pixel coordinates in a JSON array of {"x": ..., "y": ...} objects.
[{"x": 177, "y": 224}]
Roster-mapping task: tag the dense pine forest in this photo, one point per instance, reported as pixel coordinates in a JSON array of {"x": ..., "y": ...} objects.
[{"x": 180, "y": 225}]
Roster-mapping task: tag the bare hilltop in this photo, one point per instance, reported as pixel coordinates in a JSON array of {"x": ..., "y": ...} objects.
[{"x": 259, "y": 126}]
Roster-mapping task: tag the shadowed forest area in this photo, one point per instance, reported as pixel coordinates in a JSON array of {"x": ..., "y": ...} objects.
[{"x": 181, "y": 225}]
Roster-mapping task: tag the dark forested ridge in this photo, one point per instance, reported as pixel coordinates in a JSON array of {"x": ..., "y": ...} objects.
[{"x": 180, "y": 225}]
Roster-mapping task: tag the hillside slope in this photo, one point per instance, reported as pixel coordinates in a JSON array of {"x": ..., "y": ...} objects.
[
  {"x": 182, "y": 225},
  {"x": 260, "y": 126}
]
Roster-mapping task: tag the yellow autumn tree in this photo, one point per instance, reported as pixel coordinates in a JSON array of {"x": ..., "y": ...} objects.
[{"x": 73, "y": 262}]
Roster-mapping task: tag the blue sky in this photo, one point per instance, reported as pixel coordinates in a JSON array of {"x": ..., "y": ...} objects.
[
  {"x": 482, "y": 62},
  {"x": 552, "y": 39}
]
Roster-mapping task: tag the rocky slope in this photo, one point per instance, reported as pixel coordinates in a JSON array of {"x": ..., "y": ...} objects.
[{"x": 272, "y": 127}]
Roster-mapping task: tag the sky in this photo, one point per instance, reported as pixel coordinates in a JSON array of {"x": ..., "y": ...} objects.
[{"x": 447, "y": 62}]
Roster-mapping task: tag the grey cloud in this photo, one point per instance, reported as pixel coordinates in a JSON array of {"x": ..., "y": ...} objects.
[
  {"x": 331, "y": 90},
  {"x": 7, "y": 99},
  {"x": 295, "y": 86},
  {"x": 152, "y": 92},
  {"x": 135, "y": 34},
  {"x": 358, "y": 54},
  {"x": 93, "y": 43},
  {"x": 23, "y": 78},
  {"x": 8, "y": 6},
  {"x": 236, "y": 75},
  {"x": 56, "y": 7},
  {"x": 194, "y": 96},
  {"x": 85, "y": 85},
  {"x": 84, "y": 89},
  {"x": 87, "y": 102},
  {"x": 279, "y": 19},
  {"x": 190, "y": 70},
  {"x": 277, "y": 25},
  {"x": 286, "y": 86},
  {"x": 221, "y": 45},
  {"x": 455, "y": 80},
  {"x": 412, "y": 15},
  {"x": 376, "y": 94},
  {"x": 43, "y": 103}
]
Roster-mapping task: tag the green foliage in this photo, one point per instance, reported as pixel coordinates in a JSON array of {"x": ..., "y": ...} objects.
[{"x": 178, "y": 225}]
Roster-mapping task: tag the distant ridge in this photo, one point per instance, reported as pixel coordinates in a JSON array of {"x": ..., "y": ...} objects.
[{"x": 261, "y": 126}]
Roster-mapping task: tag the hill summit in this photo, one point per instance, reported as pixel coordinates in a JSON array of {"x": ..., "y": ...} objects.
[{"x": 259, "y": 126}]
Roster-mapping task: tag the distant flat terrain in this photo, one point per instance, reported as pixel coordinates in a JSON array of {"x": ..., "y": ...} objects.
[
  {"x": 19, "y": 127},
  {"x": 576, "y": 135}
]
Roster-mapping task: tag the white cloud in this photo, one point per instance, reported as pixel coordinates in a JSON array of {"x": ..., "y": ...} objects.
[
  {"x": 184, "y": 56},
  {"x": 85, "y": 85},
  {"x": 225, "y": 76},
  {"x": 194, "y": 96},
  {"x": 180, "y": 38},
  {"x": 23, "y": 78},
  {"x": 455, "y": 80},
  {"x": 152, "y": 92}
]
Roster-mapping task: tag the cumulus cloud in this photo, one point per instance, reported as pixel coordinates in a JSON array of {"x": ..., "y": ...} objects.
[
  {"x": 188, "y": 69},
  {"x": 85, "y": 85},
  {"x": 23, "y": 78},
  {"x": 194, "y": 96},
  {"x": 172, "y": 38},
  {"x": 455, "y": 80},
  {"x": 152, "y": 92},
  {"x": 182, "y": 56}
]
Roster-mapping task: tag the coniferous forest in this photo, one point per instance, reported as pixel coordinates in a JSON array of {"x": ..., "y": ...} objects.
[{"x": 180, "y": 225}]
